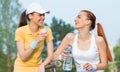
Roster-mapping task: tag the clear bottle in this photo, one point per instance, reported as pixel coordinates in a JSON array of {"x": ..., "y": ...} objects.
[{"x": 67, "y": 64}]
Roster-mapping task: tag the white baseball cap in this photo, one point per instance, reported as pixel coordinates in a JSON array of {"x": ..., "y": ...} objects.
[{"x": 35, "y": 7}]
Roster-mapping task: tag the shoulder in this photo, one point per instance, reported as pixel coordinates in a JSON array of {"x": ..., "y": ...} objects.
[
  {"x": 22, "y": 29},
  {"x": 100, "y": 42},
  {"x": 49, "y": 31},
  {"x": 68, "y": 39},
  {"x": 99, "y": 39},
  {"x": 70, "y": 36}
]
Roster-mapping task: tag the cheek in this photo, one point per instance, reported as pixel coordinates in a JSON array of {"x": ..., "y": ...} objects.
[
  {"x": 79, "y": 24},
  {"x": 34, "y": 18}
]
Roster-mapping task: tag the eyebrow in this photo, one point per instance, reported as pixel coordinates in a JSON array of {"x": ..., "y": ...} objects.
[{"x": 79, "y": 15}]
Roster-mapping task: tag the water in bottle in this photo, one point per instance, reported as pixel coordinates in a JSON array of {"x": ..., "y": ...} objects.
[{"x": 67, "y": 65}]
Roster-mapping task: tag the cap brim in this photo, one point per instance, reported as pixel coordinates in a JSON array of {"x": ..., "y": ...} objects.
[
  {"x": 48, "y": 12},
  {"x": 44, "y": 11}
]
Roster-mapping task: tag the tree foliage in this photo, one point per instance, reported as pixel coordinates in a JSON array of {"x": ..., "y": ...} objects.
[
  {"x": 117, "y": 55},
  {"x": 3, "y": 64},
  {"x": 60, "y": 29},
  {"x": 9, "y": 15}
]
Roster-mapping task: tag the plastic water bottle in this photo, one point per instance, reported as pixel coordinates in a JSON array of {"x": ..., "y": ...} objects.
[
  {"x": 67, "y": 65},
  {"x": 44, "y": 30}
]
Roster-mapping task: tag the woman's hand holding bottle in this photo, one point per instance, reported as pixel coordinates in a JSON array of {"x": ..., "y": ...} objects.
[{"x": 42, "y": 36}]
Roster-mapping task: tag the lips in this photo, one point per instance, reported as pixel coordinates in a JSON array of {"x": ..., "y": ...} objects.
[
  {"x": 75, "y": 23},
  {"x": 41, "y": 21}
]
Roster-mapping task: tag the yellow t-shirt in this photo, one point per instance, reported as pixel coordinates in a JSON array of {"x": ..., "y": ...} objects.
[{"x": 25, "y": 35}]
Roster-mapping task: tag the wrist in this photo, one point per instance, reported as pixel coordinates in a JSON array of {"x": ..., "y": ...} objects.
[
  {"x": 33, "y": 44},
  {"x": 43, "y": 64},
  {"x": 94, "y": 67}
]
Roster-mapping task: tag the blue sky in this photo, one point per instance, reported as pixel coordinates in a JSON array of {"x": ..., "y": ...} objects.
[{"x": 106, "y": 11}]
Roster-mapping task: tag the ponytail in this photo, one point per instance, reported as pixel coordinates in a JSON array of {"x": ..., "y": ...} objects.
[
  {"x": 101, "y": 33},
  {"x": 23, "y": 19}
]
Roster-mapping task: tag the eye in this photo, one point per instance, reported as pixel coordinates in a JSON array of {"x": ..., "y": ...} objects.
[
  {"x": 78, "y": 17},
  {"x": 41, "y": 14}
]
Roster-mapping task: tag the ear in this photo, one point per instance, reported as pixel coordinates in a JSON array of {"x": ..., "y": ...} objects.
[
  {"x": 30, "y": 16},
  {"x": 88, "y": 22}
]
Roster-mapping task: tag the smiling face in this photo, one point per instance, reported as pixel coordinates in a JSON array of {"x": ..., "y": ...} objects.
[
  {"x": 81, "y": 20},
  {"x": 37, "y": 18},
  {"x": 85, "y": 19}
]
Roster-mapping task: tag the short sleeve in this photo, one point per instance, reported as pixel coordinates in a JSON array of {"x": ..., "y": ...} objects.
[
  {"x": 49, "y": 35},
  {"x": 19, "y": 35}
]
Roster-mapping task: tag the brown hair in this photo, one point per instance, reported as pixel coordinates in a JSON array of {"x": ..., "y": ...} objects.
[
  {"x": 91, "y": 17},
  {"x": 23, "y": 19},
  {"x": 100, "y": 31}
]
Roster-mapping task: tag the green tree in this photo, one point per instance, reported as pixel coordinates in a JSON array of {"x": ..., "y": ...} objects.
[
  {"x": 9, "y": 15},
  {"x": 3, "y": 64},
  {"x": 60, "y": 29},
  {"x": 117, "y": 55}
]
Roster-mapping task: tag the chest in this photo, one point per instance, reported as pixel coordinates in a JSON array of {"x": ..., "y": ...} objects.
[
  {"x": 85, "y": 55},
  {"x": 83, "y": 45},
  {"x": 85, "y": 51}
]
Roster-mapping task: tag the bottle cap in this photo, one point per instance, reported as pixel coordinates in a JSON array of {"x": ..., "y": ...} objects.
[{"x": 44, "y": 30}]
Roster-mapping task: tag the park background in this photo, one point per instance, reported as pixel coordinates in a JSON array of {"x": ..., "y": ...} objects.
[{"x": 61, "y": 21}]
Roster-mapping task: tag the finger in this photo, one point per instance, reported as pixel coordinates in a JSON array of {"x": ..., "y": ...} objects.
[
  {"x": 89, "y": 67},
  {"x": 43, "y": 34},
  {"x": 64, "y": 51},
  {"x": 63, "y": 54},
  {"x": 86, "y": 65},
  {"x": 42, "y": 38}
]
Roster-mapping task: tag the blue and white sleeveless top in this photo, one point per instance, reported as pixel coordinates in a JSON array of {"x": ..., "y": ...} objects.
[{"x": 85, "y": 56}]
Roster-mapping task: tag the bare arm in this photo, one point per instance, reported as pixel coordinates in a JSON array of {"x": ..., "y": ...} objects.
[
  {"x": 49, "y": 52},
  {"x": 24, "y": 54},
  {"x": 103, "y": 55},
  {"x": 49, "y": 57},
  {"x": 68, "y": 39}
]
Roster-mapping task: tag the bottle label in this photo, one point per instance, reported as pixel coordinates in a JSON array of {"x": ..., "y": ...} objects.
[{"x": 67, "y": 65}]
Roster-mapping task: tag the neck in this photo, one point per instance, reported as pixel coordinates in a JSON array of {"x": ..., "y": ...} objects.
[
  {"x": 84, "y": 34},
  {"x": 33, "y": 27}
]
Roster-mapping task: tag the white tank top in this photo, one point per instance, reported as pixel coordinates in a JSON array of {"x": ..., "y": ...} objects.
[{"x": 88, "y": 56}]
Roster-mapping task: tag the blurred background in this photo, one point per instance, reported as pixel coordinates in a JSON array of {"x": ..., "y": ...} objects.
[{"x": 61, "y": 21}]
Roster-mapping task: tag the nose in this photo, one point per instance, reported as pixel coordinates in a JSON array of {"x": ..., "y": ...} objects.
[{"x": 75, "y": 19}]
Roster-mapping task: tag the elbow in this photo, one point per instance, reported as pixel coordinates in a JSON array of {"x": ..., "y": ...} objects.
[
  {"x": 23, "y": 58},
  {"x": 104, "y": 66}
]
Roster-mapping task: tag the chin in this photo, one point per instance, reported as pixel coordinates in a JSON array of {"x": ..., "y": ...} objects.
[
  {"x": 76, "y": 27},
  {"x": 40, "y": 25}
]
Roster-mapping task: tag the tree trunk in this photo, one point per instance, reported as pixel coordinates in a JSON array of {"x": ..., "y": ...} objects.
[{"x": 8, "y": 59}]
